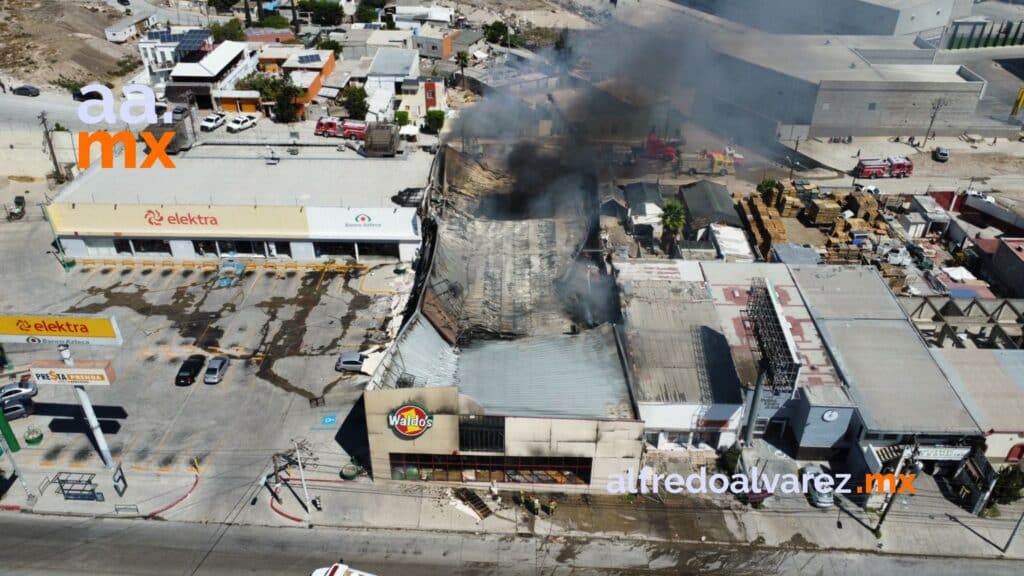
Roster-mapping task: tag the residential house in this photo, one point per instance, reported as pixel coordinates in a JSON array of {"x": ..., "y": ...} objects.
[
  {"x": 131, "y": 27},
  {"x": 308, "y": 69},
  {"x": 435, "y": 42},
  {"x": 273, "y": 56},
  {"x": 220, "y": 69},
  {"x": 645, "y": 202},
  {"x": 269, "y": 35},
  {"x": 161, "y": 50},
  {"x": 707, "y": 203},
  {"x": 413, "y": 14}
]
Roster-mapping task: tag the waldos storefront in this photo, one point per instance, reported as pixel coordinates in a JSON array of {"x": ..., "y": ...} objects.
[
  {"x": 437, "y": 434},
  {"x": 201, "y": 231}
]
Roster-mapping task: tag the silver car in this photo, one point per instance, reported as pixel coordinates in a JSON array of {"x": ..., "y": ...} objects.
[
  {"x": 18, "y": 391},
  {"x": 820, "y": 499},
  {"x": 215, "y": 370},
  {"x": 18, "y": 408},
  {"x": 350, "y": 362}
]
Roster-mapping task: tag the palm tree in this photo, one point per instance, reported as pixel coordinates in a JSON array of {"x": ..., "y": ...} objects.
[
  {"x": 673, "y": 219},
  {"x": 462, "y": 59}
]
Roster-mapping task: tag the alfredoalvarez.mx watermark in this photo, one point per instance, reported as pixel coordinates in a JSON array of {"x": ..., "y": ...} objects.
[
  {"x": 101, "y": 112},
  {"x": 647, "y": 481}
]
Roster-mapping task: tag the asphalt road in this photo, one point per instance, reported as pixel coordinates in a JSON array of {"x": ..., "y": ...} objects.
[{"x": 34, "y": 545}]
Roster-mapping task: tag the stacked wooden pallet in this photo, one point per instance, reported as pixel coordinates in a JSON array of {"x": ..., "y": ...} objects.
[{"x": 822, "y": 212}]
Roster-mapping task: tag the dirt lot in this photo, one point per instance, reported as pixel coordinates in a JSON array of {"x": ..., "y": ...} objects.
[{"x": 42, "y": 41}]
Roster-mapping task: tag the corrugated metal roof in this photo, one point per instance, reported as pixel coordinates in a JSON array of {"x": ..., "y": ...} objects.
[
  {"x": 990, "y": 383},
  {"x": 212, "y": 64},
  {"x": 568, "y": 376},
  {"x": 677, "y": 352},
  {"x": 707, "y": 203},
  {"x": 795, "y": 254}
]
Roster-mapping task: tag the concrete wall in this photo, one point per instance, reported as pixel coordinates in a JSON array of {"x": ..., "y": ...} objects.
[
  {"x": 1008, "y": 269},
  {"x": 998, "y": 445},
  {"x": 816, "y": 437},
  {"x": 925, "y": 15},
  {"x": 614, "y": 446},
  {"x": 867, "y": 108},
  {"x": 441, "y": 438},
  {"x": 778, "y": 96}
]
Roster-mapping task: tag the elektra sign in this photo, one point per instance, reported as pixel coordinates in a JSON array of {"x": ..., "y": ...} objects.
[
  {"x": 101, "y": 112},
  {"x": 156, "y": 218}
]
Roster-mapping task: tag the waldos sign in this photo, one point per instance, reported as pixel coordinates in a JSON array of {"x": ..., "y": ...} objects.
[
  {"x": 410, "y": 421},
  {"x": 83, "y": 373},
  {"x": 101, "y": 111},
  {"x": 24, "y": 329}
]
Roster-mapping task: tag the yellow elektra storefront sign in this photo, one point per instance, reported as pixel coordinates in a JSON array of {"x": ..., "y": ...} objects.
[
  {"x": 170, "y": 221},
  {"x": 60, "y": 329}
]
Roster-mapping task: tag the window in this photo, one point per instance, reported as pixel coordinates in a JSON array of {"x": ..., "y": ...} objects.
[
  {"x": 872, "y": 105},
  {"x": 482, "y": 434},
  {"x": 151, "y": 246},
  {"x": 122, "y": 246},
  {"x": 430, "y": 93},
  {"x": 463, "y": 468}
]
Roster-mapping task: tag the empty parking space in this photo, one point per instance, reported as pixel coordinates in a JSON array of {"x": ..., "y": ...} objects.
[{"x": 280, "y": 330}]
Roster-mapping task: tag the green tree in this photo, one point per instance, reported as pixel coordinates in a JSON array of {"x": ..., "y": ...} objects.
[
  {"x": 402, "y": 118},
  {"x": 355, "y": 101},
  {"x": 367, "y": 10},
  {"x": 230, "y": 30},
  {"x": 279, "y": 89},
  {"x": 323, "y": 12},
  {"x": 274, "y": 20},
  {"x": 673, "y": 219},
  {"x": 284, "y": 103},
  {"x": 462, "y": 59},
  {"x": 1008, "y": 486},
  {"x": 498, "y": 32},
  {"x": 330, "y": 45},
  {"x": 435, "y": 120}
]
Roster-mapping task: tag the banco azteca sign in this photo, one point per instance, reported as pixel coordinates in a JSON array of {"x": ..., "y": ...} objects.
[{"x": 410, "y": 421}]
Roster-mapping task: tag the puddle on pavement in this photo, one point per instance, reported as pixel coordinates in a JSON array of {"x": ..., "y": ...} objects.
[
  {"x": 54, "y": 452},
  {"x": 184, "y": 311}
]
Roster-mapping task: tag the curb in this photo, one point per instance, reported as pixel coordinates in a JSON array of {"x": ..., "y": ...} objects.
[{"x": 156, "y": 514}]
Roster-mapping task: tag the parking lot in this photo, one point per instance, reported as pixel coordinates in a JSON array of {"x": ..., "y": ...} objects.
[{"x": 281, "y": 330}]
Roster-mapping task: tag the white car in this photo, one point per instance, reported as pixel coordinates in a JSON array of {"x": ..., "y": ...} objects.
[
  {"x": 213, "y": 121},
  {"x": 339, "y": 570},
  {"x": 239, "y": 123}
]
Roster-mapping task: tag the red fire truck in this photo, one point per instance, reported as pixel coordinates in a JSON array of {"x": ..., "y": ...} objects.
[
  {"x": 333, "y": 126},
  {"x": 891, "y": 167}
]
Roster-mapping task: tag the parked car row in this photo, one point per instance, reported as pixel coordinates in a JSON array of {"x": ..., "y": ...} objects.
[
  {"x": 192, "y": 367},
  {"x": 16, "y": 399}
]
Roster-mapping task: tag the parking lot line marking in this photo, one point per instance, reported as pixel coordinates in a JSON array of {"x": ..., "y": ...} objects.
[
  {"x": 46, "y": 464},
  {"x": 138, "y": 468}
]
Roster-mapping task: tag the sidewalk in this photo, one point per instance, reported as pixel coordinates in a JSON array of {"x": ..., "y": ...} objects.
[
  {"x": 912, "y": 528},
  {"x": 844, "y": 156},
  {"x": 144, "y": 494}
]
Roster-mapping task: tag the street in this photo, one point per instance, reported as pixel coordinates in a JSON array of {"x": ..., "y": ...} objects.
[{"x": 35, "y": 545}]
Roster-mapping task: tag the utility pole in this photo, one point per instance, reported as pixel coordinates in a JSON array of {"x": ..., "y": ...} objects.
[
  {"x": 302, "y": 477},
  {"x": 49, "y": 144},
  {"x": 908, "y": 454},
  {"x": 295, "y": 18},
  {"x": 937, "y": 105},
  {"x": 248, "y": 15}
]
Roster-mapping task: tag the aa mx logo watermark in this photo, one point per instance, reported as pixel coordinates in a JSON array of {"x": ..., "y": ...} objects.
[{"x": 101, "y": 112}]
